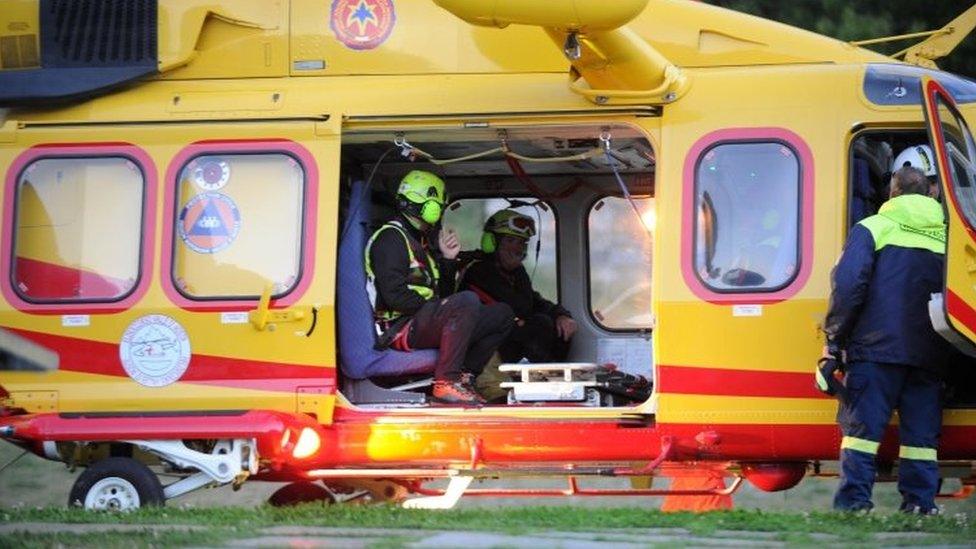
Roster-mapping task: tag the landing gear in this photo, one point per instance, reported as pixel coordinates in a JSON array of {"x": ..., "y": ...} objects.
[
  {"x": 301, "y": 492},
  {"x": 351, "y": 491},
  {"x": 361, "y": 490},
  {"x": 124, "y": 483},
  {"x": 116, "y": 484}
]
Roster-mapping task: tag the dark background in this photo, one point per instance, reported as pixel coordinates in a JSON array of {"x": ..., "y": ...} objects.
[{"x": 864, "y": 19}]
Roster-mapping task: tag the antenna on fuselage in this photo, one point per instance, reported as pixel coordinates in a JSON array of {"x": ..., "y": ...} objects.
[{"x": 937, "y": 44}]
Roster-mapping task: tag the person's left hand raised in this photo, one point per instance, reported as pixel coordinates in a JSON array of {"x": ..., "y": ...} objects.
[
  {"x": 447, "y": 241},
  {"x": 565, "y": 327}
]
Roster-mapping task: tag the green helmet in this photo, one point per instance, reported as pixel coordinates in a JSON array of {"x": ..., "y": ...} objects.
[
  {"x": 506, "y": 222},
  {"x": 422, "y": 194}
]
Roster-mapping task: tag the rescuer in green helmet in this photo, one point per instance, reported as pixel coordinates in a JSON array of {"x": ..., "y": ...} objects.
[
  {"x": 411, "y": 289},
  {"x": 543, "y": 329}
]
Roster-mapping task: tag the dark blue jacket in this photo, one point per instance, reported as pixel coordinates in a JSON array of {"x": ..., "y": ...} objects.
[{"x": 881, "y": 285}]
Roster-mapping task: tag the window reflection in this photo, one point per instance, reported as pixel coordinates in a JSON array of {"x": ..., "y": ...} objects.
[
  {"x": 79, "y": 225},
  {"x": 747, "y": 217},
  {"x": 962, "y": 159},
  {"x": 620, "y": 247},
  {"x": 238, "y": 225}
]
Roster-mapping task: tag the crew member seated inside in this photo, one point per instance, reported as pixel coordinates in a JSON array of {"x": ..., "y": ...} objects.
[
  {"x": 543, "y": 330},
  {"x": 412, "y": 293}
]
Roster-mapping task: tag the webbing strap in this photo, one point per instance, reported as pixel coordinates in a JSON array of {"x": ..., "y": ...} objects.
[{"x": 424, "y": 292}]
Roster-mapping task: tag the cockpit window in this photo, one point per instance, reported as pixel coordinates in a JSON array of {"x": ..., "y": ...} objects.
[
  {"x": 747, "y": 208},
  {"x": 961, "y": 153},
  {"x": 889, "y": 84}
]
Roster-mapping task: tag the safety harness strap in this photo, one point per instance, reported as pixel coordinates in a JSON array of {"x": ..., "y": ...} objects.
[{"x": 425, "y": 292}]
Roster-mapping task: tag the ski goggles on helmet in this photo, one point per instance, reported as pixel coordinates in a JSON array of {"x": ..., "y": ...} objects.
[{"x": 513, "y": 224}]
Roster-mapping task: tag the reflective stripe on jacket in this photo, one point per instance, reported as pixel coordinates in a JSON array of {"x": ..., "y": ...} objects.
[
  {"x": 422, "y": 277},
  {"x": 892, "y": 262}
]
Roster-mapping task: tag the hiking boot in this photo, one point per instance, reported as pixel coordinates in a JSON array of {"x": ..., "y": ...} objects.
[
  {"x": 456, "y": 392},
  {"x": 468, "y": 380},
  {"x": 914, "y": 509},
  {"x": 857, "y": 509}
]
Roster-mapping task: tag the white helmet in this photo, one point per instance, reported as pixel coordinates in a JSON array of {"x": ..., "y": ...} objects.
[{"x": 916, "y": 156}]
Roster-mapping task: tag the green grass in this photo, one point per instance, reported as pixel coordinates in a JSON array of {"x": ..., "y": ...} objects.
[
  {"x": 518, "y": 519},
  {"x": 391, "y": 542},
  {"x": 34, "y": 490},
  {"x": 113, "y": 540}
]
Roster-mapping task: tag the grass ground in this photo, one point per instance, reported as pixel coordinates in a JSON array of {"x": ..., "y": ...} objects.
[
  {"x": 35, "y": 490},
  {"x": 36, "y": 482},
  {"x": 229, "y": 523}
]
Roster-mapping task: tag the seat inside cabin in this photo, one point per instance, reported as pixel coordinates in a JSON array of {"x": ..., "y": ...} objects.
[{"x": 592, "y": 253}]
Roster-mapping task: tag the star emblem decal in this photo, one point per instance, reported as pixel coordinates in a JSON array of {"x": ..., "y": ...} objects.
[{"x": 361, "y": 15}]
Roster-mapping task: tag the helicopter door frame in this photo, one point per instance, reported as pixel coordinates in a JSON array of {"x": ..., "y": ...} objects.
[{"x": 955, "y": 317}]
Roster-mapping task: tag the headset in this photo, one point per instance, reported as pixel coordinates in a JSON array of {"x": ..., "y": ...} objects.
[
  {"x": 421, "y": 194},
  {"x": 508, "y": 222},
  {"x": 489, "y": 242},
  {"x": 429, "y": 211}
]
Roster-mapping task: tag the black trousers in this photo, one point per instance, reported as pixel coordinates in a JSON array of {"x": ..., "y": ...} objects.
[
  {"x": 535, "y": 340},
  {"x": 465, "y": 332}
]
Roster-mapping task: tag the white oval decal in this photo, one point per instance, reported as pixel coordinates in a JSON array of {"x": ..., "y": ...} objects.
[{"x": 155, "y": 350}]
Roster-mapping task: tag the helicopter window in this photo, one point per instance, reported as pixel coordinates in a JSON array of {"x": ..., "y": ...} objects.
[
  {"x": 78, "y": 229},
  {"x": 620, "y": 252},
  {"x": 747, "y": 203},
  {"x": 238, "y": 226},
  {"x": 467, "y": 216},
  {"x": 961, "y": 152},
  {"x": 890, "y": 84}
]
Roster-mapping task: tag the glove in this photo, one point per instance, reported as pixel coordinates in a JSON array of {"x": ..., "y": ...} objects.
[{"x": 827, "y": 380}]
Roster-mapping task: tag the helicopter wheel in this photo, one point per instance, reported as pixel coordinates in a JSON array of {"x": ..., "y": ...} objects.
[
  {"x": 116, "y": 484},
  {"x": 301, "y": 492},
  {"x": 367, "y": 491}
]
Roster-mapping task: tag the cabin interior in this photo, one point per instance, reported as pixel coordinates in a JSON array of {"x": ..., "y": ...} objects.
[{"x": 594, "y": 211}]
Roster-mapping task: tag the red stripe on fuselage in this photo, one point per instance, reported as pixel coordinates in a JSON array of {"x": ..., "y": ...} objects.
[
  {"x": 957, "y": 307},
  {"x": 746, "y": 383},
  {"x": 96, "y": 357}
]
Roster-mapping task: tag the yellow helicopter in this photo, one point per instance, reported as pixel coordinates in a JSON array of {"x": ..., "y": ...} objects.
[{"x": 188, "y": 187}]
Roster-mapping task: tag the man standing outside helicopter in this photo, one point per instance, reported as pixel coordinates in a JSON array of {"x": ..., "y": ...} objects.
[
  {"x": 878, "y": 323},
  {"x": 412, "y": 293}
]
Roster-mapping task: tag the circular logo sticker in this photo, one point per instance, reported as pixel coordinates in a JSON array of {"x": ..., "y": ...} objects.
[
  {"x": 362, "y": 24},
  {"x": 155, "y": 350},
  {"x": 210, "y": 173},
  {"x": 209, "y": 223}
]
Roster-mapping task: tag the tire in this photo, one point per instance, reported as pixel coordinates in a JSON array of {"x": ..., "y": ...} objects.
[
  {"x": 361, "y": 490},
  {"x": 116, "y": 484},
  {"x": 300, "y": 492}
]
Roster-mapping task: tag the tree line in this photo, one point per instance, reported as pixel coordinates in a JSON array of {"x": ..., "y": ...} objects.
[{"x": 864, "y": 19}]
